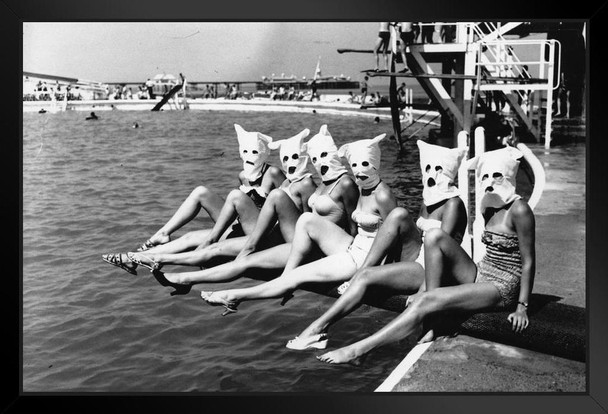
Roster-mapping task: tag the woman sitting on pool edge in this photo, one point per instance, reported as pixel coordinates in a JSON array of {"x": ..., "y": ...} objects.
[
  {"x": 344, "y": 253},
  {"x": 334, "y": 200},
  {"x": 503, "y": 279},
  {"x": 286, "y": 202},
  {"x": 257, "y": 179},
  {"x": 441, "y": 208}
]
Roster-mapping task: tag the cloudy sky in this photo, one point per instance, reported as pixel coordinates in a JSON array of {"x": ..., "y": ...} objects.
[{"x": 226, "y": 51}]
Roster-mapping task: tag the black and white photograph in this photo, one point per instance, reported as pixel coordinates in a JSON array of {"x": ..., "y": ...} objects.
[
  {"x": 375, "y": 204},
  {"x": 278, "y": 207}
]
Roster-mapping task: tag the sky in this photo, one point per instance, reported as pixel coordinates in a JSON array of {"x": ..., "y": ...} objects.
[{"x": 113, "y": 52}]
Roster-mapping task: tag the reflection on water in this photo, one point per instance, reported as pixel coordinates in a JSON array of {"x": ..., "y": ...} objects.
[{"x": 91, "y": 187}]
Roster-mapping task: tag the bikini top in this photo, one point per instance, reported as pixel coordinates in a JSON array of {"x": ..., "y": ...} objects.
[
  {"x": 254, "y": 191},
  {"x": 367, "y": 223},
  {"x": 324, "y": 205}
]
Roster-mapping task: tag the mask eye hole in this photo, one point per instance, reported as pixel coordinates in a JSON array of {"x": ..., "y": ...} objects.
[
  {"x": 484, "y": 177},
  {"x": 365, "y": 163},
  {"x": 428, "y": 168},
  {"x": 285, "y": 158},
  {"x": 244, "y": 151},
  {"x": 295, "y": 156},
  {"x": 497, "y": 175},
  {"x": 438, "y": 168},
  {"x": 254, "y": 151},
  {"x": 323, "y": 154},
  {"x": 314, "y": 159},
  {"x": 353, "y": 165}
]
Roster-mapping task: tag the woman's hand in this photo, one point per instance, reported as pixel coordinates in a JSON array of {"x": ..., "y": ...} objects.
[{"x": 519, "y": 320}]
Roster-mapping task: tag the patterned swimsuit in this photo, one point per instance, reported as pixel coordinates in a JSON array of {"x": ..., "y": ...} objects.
[{"x": 501, "y": 266}]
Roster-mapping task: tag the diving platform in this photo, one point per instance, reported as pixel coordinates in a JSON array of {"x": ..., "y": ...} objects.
[{"x": 480, "y": 72}]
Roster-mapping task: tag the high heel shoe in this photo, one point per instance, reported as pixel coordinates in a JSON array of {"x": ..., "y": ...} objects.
[
  {"x": 286, "y": 298},
  {"x": 230, "y": 307},
  {"x": 180, "y": 288}
]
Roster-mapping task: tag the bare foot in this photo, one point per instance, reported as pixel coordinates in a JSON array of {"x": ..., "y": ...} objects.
[{"x": 346, "y": 355}]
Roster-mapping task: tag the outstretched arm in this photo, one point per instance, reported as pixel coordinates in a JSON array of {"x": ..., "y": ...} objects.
[{"x": 523, "y": 220}]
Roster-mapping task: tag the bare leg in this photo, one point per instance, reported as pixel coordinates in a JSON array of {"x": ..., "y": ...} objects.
[
  {"x": 401, "y": 276},
  {"x": 186, "y": 242},
  {"x": 467, "y": 297},
  {"x": 313, "y": 230},
  {"x": 199, "y": 257},
  {"x": 334, "y": 268},
  {"x": 272, "y": 258},
  {"x": 237, "y": 204},
  {"x": 440, "y": 250},
  {"x": 397, "y": 230},
  {"x": 278, "y": 206},
  {"x": 446, "y": 263},
  {"x": 200, "y": 197},
  {"x": 377, "y": 46}
]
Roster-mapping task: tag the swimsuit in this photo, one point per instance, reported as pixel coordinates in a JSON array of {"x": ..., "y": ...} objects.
[
  {"x": 325, "y": 206},
  {"x": 407, "y": 37},
  {"x": 254, "y": 191},
  {"x": 367, "y": 228},
  {"x": 385, "y": 36},
  {"x": 287, "y": 190},
  {"x": 424, "y": 225},
  {"x": 501, "y": 266}
]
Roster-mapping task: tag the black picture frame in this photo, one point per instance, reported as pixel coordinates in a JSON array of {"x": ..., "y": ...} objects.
[{"x": 14, "y": 12}]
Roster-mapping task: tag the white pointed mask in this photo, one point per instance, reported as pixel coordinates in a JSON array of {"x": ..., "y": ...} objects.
[
  {"x": 323, "y": 154},
  {"x": 293, "y": 156},
  {"x": 439, "y": 166},
  {"x": 364, "y": 159},
  {"x": 254, "y": 151},
  {"x": 496, "y": 172}
]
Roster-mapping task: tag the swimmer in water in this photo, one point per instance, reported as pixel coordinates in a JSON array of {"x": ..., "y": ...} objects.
[
  {"x": 135, "y": 125},
  {"x": 92, "y": 116}
]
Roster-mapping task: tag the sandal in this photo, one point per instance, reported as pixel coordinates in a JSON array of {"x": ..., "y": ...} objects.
[
  {"x": 180, "y": 288},
  {"x": 318, "y": 341},
  {"x": 147, "y": 245},
  {"x": 115, "y": 259},
  {"x": 153, "y": 267},
  {"x": 229, "y": 306},
  {"x": 342, "y": 288}
]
